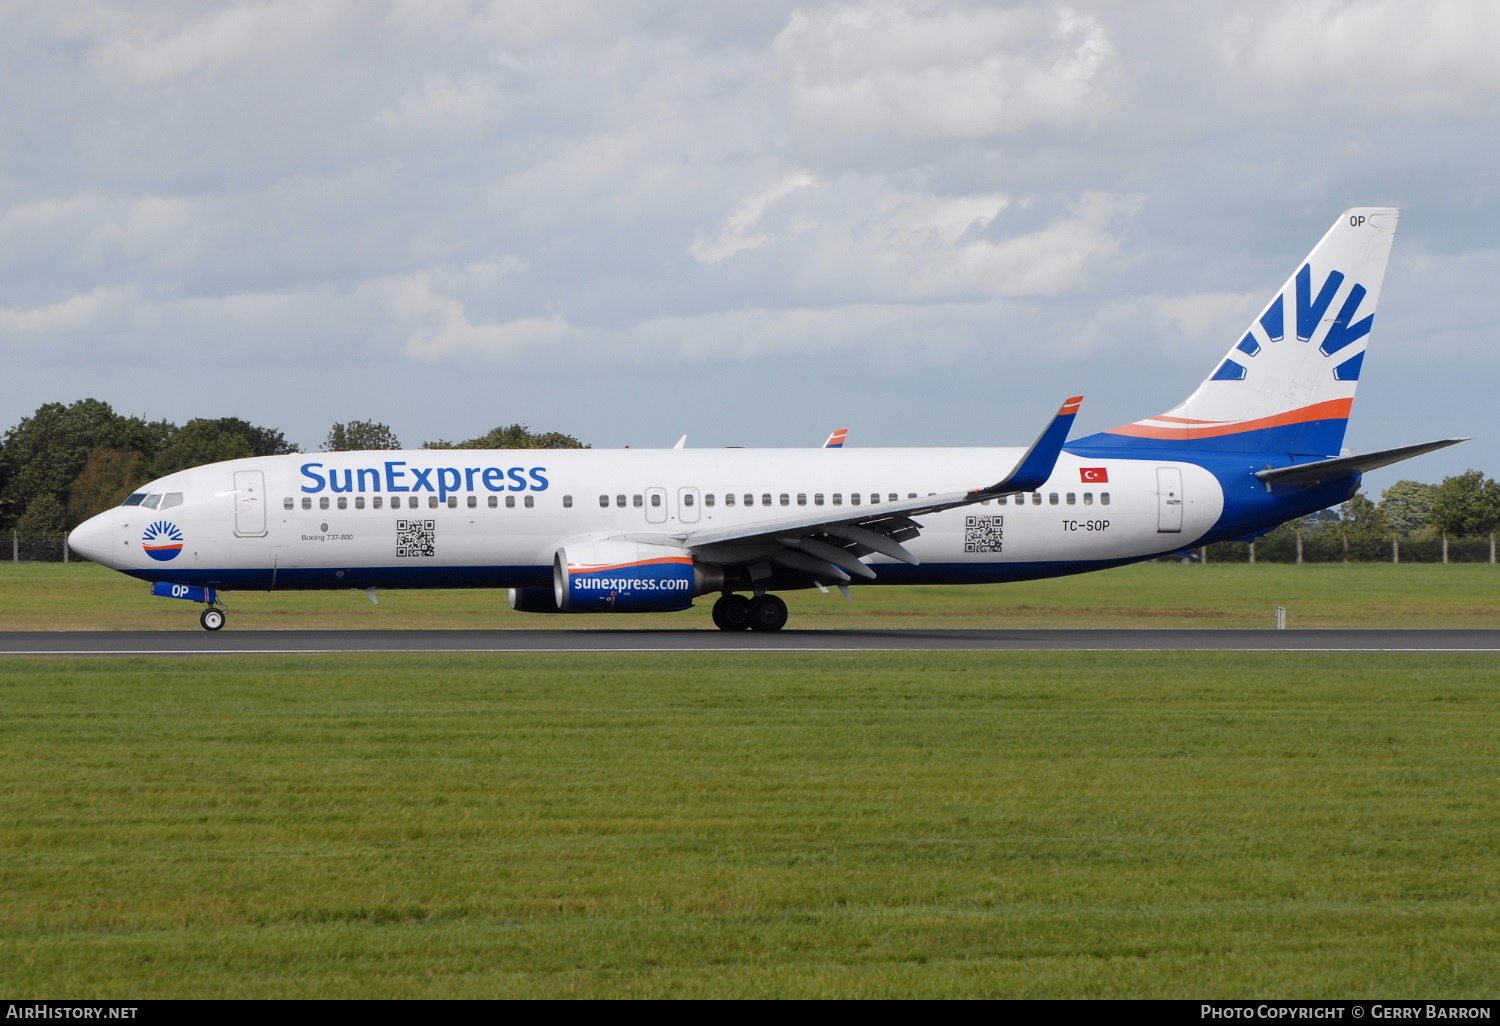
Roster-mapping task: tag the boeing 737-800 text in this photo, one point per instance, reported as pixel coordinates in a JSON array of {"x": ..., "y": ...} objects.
[{"x": 635, "y": 530}]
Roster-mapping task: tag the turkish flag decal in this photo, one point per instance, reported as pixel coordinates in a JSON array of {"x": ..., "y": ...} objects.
[{"x": 1094, "y": 475}]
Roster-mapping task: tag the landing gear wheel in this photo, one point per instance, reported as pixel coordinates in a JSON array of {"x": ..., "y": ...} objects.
[
  {"x": 732, "y": 613},
  {"x": 212, "y": 619},
  {"x": 767, "y": 613}
]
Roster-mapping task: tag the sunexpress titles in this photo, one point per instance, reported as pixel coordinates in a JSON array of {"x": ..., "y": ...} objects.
[{"x": 399, "y": 476}]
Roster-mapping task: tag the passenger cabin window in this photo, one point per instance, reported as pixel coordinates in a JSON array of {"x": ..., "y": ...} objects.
[
  {"x": 1052, "y": 498},
  {"x": 854, "y": 498},
  {"x": 892, "y": 497},
  {"x": 749, "y": 499},
  {"x": 494, "y": 501},
  {"x": 152, "y": 501},
  {"x": 453, "y": 502},
  {"x": 765, "y": 499},
  {"x": 708, "y": 499},
  {"x": 376, "y": 502},
  {"x": 838, "y": 498},
  {"x": 473, "y": 501},
  {"x": 604, "y": 502},
  {"x": 1104, "y": 498},
  {"x": 530, "y": 501},
  {"x": 874, "y": 496},
  {"x": 343, "y": 502},
  {"x": 620, "y": 501},
  {"x": 1088, "y": 498},
  {"x": 567, "y": 501},
  {"x": 1036, "y": 498},
  {"x": 322, "y": 502},
  {"x": 1072, "y": 498},
  {"x": 728, "y": 498},
  {"x": 359, "y": 502},
  {"x": 786, "y": 500},
  {"x": 638, "y": 501},
  {"x": 510, "y": 502},
  {"x": 656, "y": 499},
  {"x": 133, "y": 500},
  {"x": 802, "y": 498},
  {"x": 289, "y": 503},
  {"x": 306, "y": 502},
  {"x": 411, "y": 501},
  {"x": 817, "y": 498},
  {"x": 687, "y": 499},
  {"x": 911, "y": 495},
  {"x": 432, "y": 502}
]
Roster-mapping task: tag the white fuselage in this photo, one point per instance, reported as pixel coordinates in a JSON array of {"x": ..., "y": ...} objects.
[{"x": 466, "y": 518}]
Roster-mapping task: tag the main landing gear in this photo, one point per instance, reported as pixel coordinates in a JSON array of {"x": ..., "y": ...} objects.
[
  {"x": 212, "y": 619},
  {"x": 738, "y": 613}
]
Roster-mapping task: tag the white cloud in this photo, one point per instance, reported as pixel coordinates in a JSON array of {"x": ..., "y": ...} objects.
[
  {"x": 74, "y": 314},
  {"x": 1438, "y": 51},
  {"x": 445, "y": 328},
  {"x": 928, "y": 71},
  {"x": 737, "y": 236},
  {"x": 244, "y": 32},
  {"x": 1202, "y": 313},
  {"x": 442, "y": 101},
  {"x": 860, "y": 238}
]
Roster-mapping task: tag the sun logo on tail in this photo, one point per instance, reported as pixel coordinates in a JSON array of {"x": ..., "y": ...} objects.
[{"x": 162, "y": 540}]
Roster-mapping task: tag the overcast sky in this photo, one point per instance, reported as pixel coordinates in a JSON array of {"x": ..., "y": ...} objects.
[{"x": 749, "y": 222}]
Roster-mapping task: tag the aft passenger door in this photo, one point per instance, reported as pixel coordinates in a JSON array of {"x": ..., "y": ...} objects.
[
  {"x": 1168, "y": 500},
  {"x": 249, "y": 504}
]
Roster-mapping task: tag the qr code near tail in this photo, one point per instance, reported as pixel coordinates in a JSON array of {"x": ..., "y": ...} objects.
[
  {"x": 983, "y": 534},
  {"x": 416, "y": 538}
]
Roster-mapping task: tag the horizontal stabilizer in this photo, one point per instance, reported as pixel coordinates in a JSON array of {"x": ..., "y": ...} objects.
[{"x": 1346, "y": 466}]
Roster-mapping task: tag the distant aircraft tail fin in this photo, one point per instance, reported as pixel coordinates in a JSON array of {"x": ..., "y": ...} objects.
[
  {"x": 1287, "y": 385},
  {"x": 836, "y": 440}
]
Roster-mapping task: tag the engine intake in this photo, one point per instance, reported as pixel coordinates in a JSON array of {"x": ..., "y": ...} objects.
[{"x": 628, "y": 577}]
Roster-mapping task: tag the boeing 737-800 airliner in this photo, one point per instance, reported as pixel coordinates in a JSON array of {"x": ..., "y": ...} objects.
[{"x": 635, "y": 530}]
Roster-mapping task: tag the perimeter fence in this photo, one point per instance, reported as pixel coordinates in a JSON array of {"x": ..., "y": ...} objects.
[
  {"x": 38, "y": 548},
  {"x": 1332, "y": 546}
]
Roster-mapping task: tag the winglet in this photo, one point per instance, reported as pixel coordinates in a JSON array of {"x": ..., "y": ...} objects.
[
  {"x": 1036, "y": 466},
  {"x": 836, "y": 440}
]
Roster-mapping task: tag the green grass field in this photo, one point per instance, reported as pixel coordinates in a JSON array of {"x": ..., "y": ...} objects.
[
  {"x": 1033, "y": 824},
  {"x": 54, "y": 596}
]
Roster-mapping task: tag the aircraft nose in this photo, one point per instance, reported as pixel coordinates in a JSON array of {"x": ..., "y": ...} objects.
[{"x": 94, "y": 539}]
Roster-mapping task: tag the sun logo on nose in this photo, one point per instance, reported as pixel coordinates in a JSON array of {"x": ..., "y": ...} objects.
[{"x": 162, "y": 540}]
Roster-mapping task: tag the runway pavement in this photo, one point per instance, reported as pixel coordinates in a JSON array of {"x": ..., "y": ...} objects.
[{"x": 230, "y": 642}]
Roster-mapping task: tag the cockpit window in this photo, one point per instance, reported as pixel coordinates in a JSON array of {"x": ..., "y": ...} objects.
[
  {"x": 152, "y": 501},
  {"x": 133, "y": 500},
  {"x": 171, "y": 499}
]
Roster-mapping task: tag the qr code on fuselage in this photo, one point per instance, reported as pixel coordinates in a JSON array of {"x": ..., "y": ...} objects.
[
  {"x": 983, "y": 534},
  {"x": 416, "y": 538}
]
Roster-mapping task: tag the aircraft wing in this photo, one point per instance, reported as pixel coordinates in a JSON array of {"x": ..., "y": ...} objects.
[
  {"x": 1344, "y": 466},
  {"x": 828, "y": 543}
]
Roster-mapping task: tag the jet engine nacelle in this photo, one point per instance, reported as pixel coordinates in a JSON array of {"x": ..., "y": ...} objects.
[{"x": 628, "y": 577}]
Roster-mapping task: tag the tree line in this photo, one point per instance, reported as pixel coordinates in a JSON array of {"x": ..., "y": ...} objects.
[{"x": 67, "y": 462}]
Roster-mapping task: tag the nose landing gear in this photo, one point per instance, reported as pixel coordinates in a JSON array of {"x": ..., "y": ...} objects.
[
  {"x": 212, "y": 619},
  {"x": 761, "y": 613}
]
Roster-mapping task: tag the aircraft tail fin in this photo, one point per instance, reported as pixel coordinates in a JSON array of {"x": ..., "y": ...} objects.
[{"x": 1287, "y": 385}]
